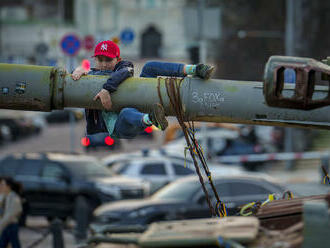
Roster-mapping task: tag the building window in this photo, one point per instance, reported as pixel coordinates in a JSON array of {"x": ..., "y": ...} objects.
[
  {"x": 68, "y": 11},
  {"x": 151, "y": 43}
]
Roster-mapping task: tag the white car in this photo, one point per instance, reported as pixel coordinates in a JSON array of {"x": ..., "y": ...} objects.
[
  {"x": 158, "y": 171},
  {"x": 215, "y": 139}
]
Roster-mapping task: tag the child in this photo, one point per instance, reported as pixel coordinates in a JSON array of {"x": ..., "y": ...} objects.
[{"x": 129, "y": 122}]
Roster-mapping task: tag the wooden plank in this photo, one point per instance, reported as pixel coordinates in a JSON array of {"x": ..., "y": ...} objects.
[
  {"x": 287, "y": 207},
  {"x": 200, "y": 232},
  {"x": 280, "y": 222},
  {"x": 281, "y": 214}
]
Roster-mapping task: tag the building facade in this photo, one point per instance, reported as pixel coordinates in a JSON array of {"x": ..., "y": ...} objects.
[{"x": 31, "y": 31}]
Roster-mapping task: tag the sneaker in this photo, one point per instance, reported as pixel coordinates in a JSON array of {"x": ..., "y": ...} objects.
[
  {"x": 204, "y": 71},
  {"x": 157, "y": 117}
]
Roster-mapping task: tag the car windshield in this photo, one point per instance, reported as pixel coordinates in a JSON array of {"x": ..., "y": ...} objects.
[
  {"x": 88, "y": 168},
  {"x": 119, "y": 167},
  {"x": 182, "y": 190}
]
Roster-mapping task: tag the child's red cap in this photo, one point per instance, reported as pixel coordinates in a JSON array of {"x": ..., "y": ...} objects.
[{"x": 107, "y": 48}]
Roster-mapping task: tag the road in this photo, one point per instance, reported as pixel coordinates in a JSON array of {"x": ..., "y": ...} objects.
[
  {"x": 36, "y": 232},
  {"x": 58, "y": 138},
  {"x": 66, "y": 138}
]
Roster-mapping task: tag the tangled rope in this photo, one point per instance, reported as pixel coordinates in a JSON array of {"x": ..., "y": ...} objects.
[
  {"x": 173, "y": 86},
  {"x": 326, "y": 178},
  {"x": 253, "y": 207}
]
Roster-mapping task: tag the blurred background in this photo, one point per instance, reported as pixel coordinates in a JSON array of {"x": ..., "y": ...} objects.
[{"x": 237, "y": 36}]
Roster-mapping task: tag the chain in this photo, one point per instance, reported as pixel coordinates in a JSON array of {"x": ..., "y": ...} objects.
[{"x": 173, "y": 86}]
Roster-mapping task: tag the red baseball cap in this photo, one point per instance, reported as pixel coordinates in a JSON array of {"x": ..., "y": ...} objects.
[{"x": 107, "y": 48}]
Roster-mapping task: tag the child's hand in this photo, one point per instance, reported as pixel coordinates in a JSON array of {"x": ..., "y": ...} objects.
[
  {"x": 105, "y": 98},
  {"x": 78, "y": 72}
]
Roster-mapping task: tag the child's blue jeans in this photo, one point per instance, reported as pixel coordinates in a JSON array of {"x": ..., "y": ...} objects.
[
  {"x": 129, "y": 122},
  {"x": 154, "y": 69}
]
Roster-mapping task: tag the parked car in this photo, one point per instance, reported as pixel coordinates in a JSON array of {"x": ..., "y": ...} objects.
[
  {"x": 104, "y": 141},
  {"x": 185, "y": 199},
  {"x": 174, "y": 131},
  {"x": 215, "y": 141},
  {"x": 114, "y": 159},
  {"x": 100, "y": 140},
  {"x": 61, "y": 116},
  {"x": 220, "y": 142},
  {"x": 19, "y": 124},
  {"x": 308, "y": 189},
  {"x": 166, "y": 167},
  {"x": 5, "y": 134},
  {"x": 159, "y": 171},
  {"x": 54, "y": 183},
  {"x": 17, "y": 128}
]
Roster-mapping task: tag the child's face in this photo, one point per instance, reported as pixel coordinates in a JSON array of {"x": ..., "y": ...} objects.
[{"x": 105, "y": 63}]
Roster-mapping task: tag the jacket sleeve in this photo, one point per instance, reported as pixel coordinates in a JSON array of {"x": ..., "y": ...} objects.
[
  {"x": 122, "y": 72},
  {"x": 11, "y": 212}
]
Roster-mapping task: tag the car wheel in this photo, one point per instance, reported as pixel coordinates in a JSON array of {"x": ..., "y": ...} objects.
[
  {"x": 81, "y": 206},
  {"x": 25, "y": 206},
  {"x": 22, "y": 220},
  {"x": 51, "y": 218}
]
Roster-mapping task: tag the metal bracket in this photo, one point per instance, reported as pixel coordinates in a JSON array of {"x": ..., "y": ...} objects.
[
  {"x": 309, "y": 91},
  {"x": 58, "y": 81}
]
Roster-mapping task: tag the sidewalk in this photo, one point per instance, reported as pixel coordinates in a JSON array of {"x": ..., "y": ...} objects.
[{"x": 36, "y": 228}]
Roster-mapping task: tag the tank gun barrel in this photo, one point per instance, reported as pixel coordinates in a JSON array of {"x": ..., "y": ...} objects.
[{"x": 42, "y": 88}]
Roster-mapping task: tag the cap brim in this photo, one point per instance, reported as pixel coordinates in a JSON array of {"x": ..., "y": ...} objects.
[{"x": 104, "y": 54}]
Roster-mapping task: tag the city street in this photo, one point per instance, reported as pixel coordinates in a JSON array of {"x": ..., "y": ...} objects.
[
  {"x": 37, "y": 230},
  {"x": 250, "y": 80},
  {"x": 36, "y": 235},
  {"x": 58, "y": 138}
]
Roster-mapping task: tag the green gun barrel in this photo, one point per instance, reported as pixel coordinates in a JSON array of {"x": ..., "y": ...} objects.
[{"x": 41, "y": 88}]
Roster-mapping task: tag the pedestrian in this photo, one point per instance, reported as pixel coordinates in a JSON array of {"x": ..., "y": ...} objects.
[
  {"x": 11, "y": 210},
  {"x": 130, "y": 121}
]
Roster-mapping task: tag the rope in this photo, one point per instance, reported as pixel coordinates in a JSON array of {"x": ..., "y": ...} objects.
[
  {"x": 173, "y": 86},
  {"x": 289, "y": 194},
  {"x": 326, "y": 176},
  {"x": 252, "y": 207}
]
